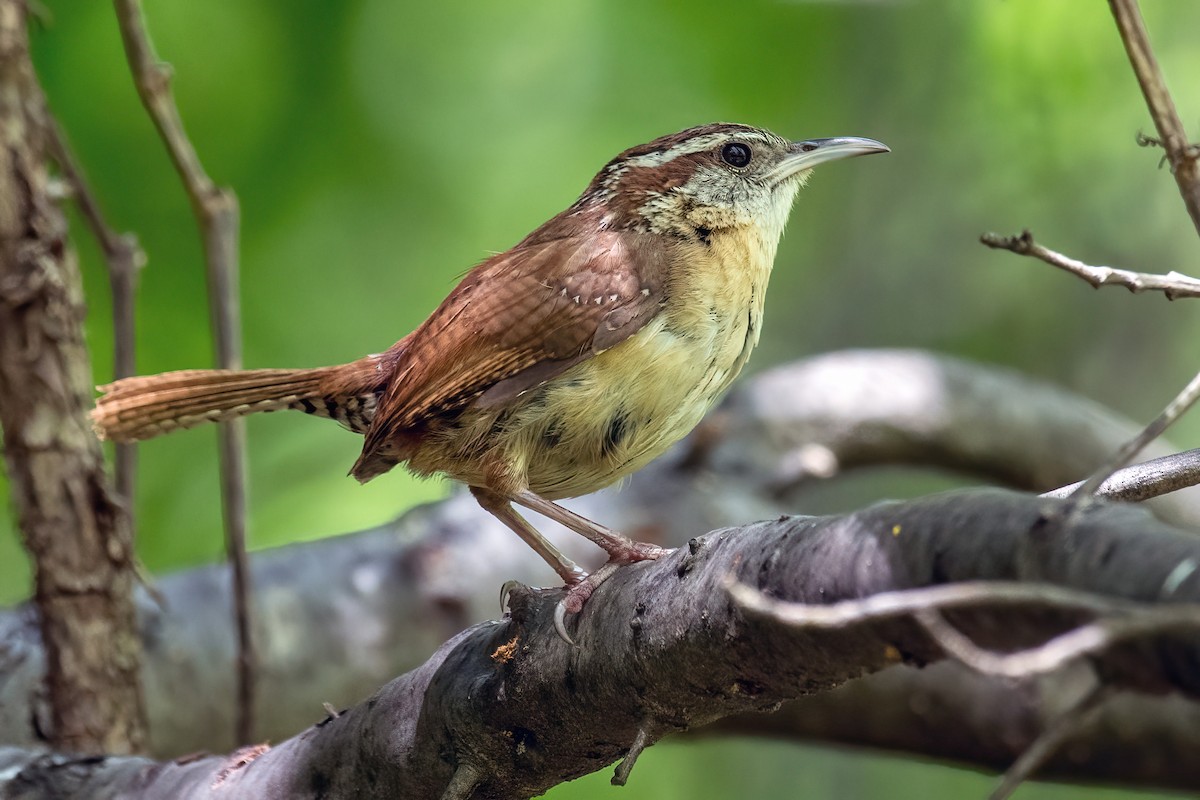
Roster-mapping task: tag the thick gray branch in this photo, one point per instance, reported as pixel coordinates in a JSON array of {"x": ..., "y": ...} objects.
[{"x": 664, "y": 649}]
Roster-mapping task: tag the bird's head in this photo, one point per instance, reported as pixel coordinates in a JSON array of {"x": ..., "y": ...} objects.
[{"x": 710, "y": 178}]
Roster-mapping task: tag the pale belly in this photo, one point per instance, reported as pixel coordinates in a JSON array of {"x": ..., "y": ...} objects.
[{"x": 612, "y": 414}]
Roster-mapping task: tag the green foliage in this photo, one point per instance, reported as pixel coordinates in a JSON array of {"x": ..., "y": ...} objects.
[{"x": 381, "y": 148}]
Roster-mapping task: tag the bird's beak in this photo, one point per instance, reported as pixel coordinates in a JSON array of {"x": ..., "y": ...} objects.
[{"x": 807, "y": 154}]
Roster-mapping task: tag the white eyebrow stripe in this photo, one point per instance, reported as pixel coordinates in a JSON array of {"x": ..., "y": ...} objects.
[{"x": 694, "y": 145}]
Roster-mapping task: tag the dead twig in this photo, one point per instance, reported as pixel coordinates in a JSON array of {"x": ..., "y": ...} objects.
[
  {"x": 1094, "y": 637},
  {"x": 908, "y": 602},
  {"x": 125, "y": 258},
  {"x": 640, "y": 743},
  {"x": 216, "y": 210},
  {"x": 1146, "y": 480},
  {"x": 1173, "y": 284},
  {"x": 1183, "y": 156},
  {"x": 1051, "y": 739},
  {"x": 1174, "y": 410},
  {"x": 1115, "y": 621}
]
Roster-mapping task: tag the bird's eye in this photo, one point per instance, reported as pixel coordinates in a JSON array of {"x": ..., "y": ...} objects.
[{"x": 736, "y": 154}]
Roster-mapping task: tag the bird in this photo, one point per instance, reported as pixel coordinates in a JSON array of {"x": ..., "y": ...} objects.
[{"x": 563, "y": 364}]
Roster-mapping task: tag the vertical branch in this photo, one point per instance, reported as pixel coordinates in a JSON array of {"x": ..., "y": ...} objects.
[
  {"x": 216, "y": 210},
  {"x": 77, "y": 535},
  {"x": 125, "y": 258},
  {"x": 1183, "y": 156}
]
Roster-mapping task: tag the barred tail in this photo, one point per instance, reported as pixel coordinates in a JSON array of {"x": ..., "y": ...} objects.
[{"x": 144, "y": 407}]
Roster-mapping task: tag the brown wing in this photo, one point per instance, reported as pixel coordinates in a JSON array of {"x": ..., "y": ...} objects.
[{"x": 515, "y": 321}]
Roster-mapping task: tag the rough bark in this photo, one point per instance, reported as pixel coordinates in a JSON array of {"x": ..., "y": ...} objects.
[
  {"x": 506, "y": 709},
  {"x": 76, "y": 533}
]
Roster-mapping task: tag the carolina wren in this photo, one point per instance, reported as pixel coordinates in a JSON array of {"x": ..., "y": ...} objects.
[{"x": 565, "y": 363}]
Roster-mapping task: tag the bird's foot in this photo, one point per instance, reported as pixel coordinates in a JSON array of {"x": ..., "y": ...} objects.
[{"x": 577, "y": 594}]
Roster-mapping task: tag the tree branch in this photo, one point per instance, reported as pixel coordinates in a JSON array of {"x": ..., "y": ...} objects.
[
  {"x": 125, "y": 259},
  {"x": 1173, "y": 285},
  {"x": 1050, "y": 742},
  {"x": 1181, "y": 153},
  {"x": 664, "y": 650},
  {"x": 1146, "y": 480},
  {"x": 216, "y": 210}
]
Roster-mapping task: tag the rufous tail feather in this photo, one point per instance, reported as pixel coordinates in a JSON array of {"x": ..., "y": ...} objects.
[{"x": 144, "y": 407}]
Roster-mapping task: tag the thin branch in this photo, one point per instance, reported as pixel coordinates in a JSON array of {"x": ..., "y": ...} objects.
[
  {"x": 1173, "y": 284},
  {"x": 1062, "y": 728},
  {"x": 640, "y": 743},
  {"x": 1182, "y": 154},
  {"x": 216, "y": 209},
  {"x": 1174, "y": 410},
  {"x": 1115, "y": 621},
  {"x": 909, "y": 602},
  {"x": 1094, "y": 637},
  {"x": 125, "y": 258},
  {"x": 1153, "y": 478}
]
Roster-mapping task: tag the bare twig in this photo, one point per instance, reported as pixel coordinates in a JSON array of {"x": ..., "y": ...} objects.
[
  {"x": 1182, "y": 154},
  {"x": 1173, "y": 284},
  {"x": 1174, "y": 410},
  {"x": 1093, "y": 637},
  {"x": 1183, "y": 157},
  {"x": 909, "y": 602},
  {"x": 1115, "y": 621},
  {"x": 216, "y": 209},
  {"x": 621, "y": 773},
  {"x": 125, "y": 259},
  {"x": 1068, "y": 722},
  {"x": 1148, "y": 479}
]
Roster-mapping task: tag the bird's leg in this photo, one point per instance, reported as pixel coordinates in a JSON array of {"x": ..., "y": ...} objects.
[
  {"x": 499, "y": 506},
  {"x": 620, "y": 549}
]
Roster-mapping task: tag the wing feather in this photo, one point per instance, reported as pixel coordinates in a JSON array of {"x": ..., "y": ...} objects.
[{"x": 514, "y": 322}]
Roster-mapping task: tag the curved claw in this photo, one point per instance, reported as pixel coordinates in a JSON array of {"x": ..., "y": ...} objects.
[
  {"x": 506, "y": 590},
  {"x": 560, "y": 622}
]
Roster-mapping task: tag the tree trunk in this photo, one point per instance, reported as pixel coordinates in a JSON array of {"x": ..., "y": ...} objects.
[{"x": 77, "y": 534}]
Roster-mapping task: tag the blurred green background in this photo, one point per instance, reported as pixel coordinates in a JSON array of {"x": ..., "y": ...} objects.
[{"x": 380, "y": 148}]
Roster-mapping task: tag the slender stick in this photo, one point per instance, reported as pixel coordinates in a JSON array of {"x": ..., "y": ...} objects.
[
  {"x": 1181, "y": 154},
  {"x": 1152, "y": 478},
  {"x": 1174, "y": 410},
  {"x": 1173, "y": 284},
  {"x": 216, "y": 210},
  {"x": 1070, "y": 722},
  {"x": 125, "y": 258}
]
